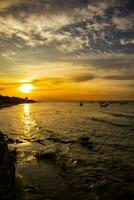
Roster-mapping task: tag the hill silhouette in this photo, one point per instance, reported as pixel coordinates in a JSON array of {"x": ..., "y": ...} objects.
[{"x": 7, "y": 101}]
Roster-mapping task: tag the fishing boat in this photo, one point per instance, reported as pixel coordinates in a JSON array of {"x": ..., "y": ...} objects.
[
  {"x": 81, "y": 104},
  {"x": 104, "y": 104}
]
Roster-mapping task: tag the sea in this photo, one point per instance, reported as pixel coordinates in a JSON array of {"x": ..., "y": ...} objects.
[{"x": 69, "y": 168}]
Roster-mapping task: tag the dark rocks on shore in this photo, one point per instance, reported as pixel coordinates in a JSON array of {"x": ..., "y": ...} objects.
[
  {"x": 12, "y": 141},
  {"x": 7, "y": 171},
  {"x": 18, "y": 141},
  {"x": 62, "y": 141},
  {"x": 46, "y": 156},
  {"x": 86, "y": 142}
]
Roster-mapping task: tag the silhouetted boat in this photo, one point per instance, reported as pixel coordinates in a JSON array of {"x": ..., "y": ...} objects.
[
  {"x": 81, "y": 104},
  {"x": 104, "y": 104}
]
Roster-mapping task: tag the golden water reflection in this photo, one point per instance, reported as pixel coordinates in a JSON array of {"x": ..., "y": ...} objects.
[
  {"x": 26, "y": 109},
  {"x": 29, "y": 123}
]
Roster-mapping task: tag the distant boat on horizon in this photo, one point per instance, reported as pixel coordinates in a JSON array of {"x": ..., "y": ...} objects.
[
  {"x": 81, "y": 104},
  {"x": 104, "y": 104}
]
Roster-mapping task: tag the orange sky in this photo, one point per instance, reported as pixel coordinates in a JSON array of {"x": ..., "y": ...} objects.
[
  {"x": 72, "y": 51},
  {"x": 65, "y": 87}
]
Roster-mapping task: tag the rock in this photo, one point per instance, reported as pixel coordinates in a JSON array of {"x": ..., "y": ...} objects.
[
  {"x": 59, "y": 140},
  {"x": 39, "y": 140},
  {"x": 14, "y": 154},
  {"x": 7, "y": 171},
  {"x": 32, "y": 190},
  {"x": 46, "y": 156},
  {"x": 18, "y": 141},
  {"x": 10, "y": 141},
  {"x": 85, "y": 141}
]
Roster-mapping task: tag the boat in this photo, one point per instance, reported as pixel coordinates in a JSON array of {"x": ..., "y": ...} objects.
[
  {"x": 104, "y": 104},
  {"x": 81, "y": 104}
]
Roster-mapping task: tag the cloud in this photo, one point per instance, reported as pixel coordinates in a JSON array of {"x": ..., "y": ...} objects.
[
  {"x": 35, "y": 29},
  {"x": 127, "y": 41},
  {"x": 69, "y": 27},
  {"x": 2, "y": 88},
  {"x": 123, "y": 23},
  {"x": 130, "y": 85},
  {"x": 83, "y": 77},
  {"x": 72, "y": 44},
  {"x": 7, "y": 3},
  {"x": 119, "y": 77},
  {"x": 106, "y": 61},
  {"x": 52, "y": 80},
  {"x": 118, "y": 62},
  {"x": 8, "y": 54},
  {"x": 55, "y": 80}
]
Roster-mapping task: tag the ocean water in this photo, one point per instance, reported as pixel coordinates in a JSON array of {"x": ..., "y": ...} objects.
[{"x": 103, "y": 172}]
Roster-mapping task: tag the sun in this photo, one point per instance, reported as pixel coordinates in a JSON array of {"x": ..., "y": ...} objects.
[{"x": 26, "y": 88}]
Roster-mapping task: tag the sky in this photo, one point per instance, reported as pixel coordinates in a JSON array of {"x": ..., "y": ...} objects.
[{"x": 67, "y": 49}]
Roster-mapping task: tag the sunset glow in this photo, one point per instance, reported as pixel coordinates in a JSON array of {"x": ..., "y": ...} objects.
[
  {"x": 26, "y": 88},
  {"x": 75, "y": 50}
]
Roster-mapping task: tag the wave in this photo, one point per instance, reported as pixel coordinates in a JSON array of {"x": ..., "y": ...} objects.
[
  {"x": 63, "y": 141},
  {"x": 109, "y": 122},
  {"x": 123, "y": 146},
  {"x": 120, "y": 115}
]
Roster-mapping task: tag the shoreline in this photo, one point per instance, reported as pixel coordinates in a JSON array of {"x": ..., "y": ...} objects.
[
  {"x": 6, "y": 101},
  {"x": 7, "y": 105},
  {"x": 13, "y": 104}
]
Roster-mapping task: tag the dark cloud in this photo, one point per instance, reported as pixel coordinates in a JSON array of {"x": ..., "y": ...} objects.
[
  {"x": 52, "y": 80},
  {"x": 71, "y": 25},
  {"x": 60, "y": 80},
  {"x": 115, "y": 63},
  {"x": 2, "y": 88},
  {"x": 119, "y": 77},
  {"x": 48, "y": 6},
  {"x": 83, "y": 77},
  {"x": 130, "y": 85},
  {"x": 107, "y": 62}
]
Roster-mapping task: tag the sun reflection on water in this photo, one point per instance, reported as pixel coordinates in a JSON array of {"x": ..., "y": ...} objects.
[
  {"x": 26, "y": 109},
  {"x": 27, "y": 117},
  {"x": 29, "y": 123}
]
